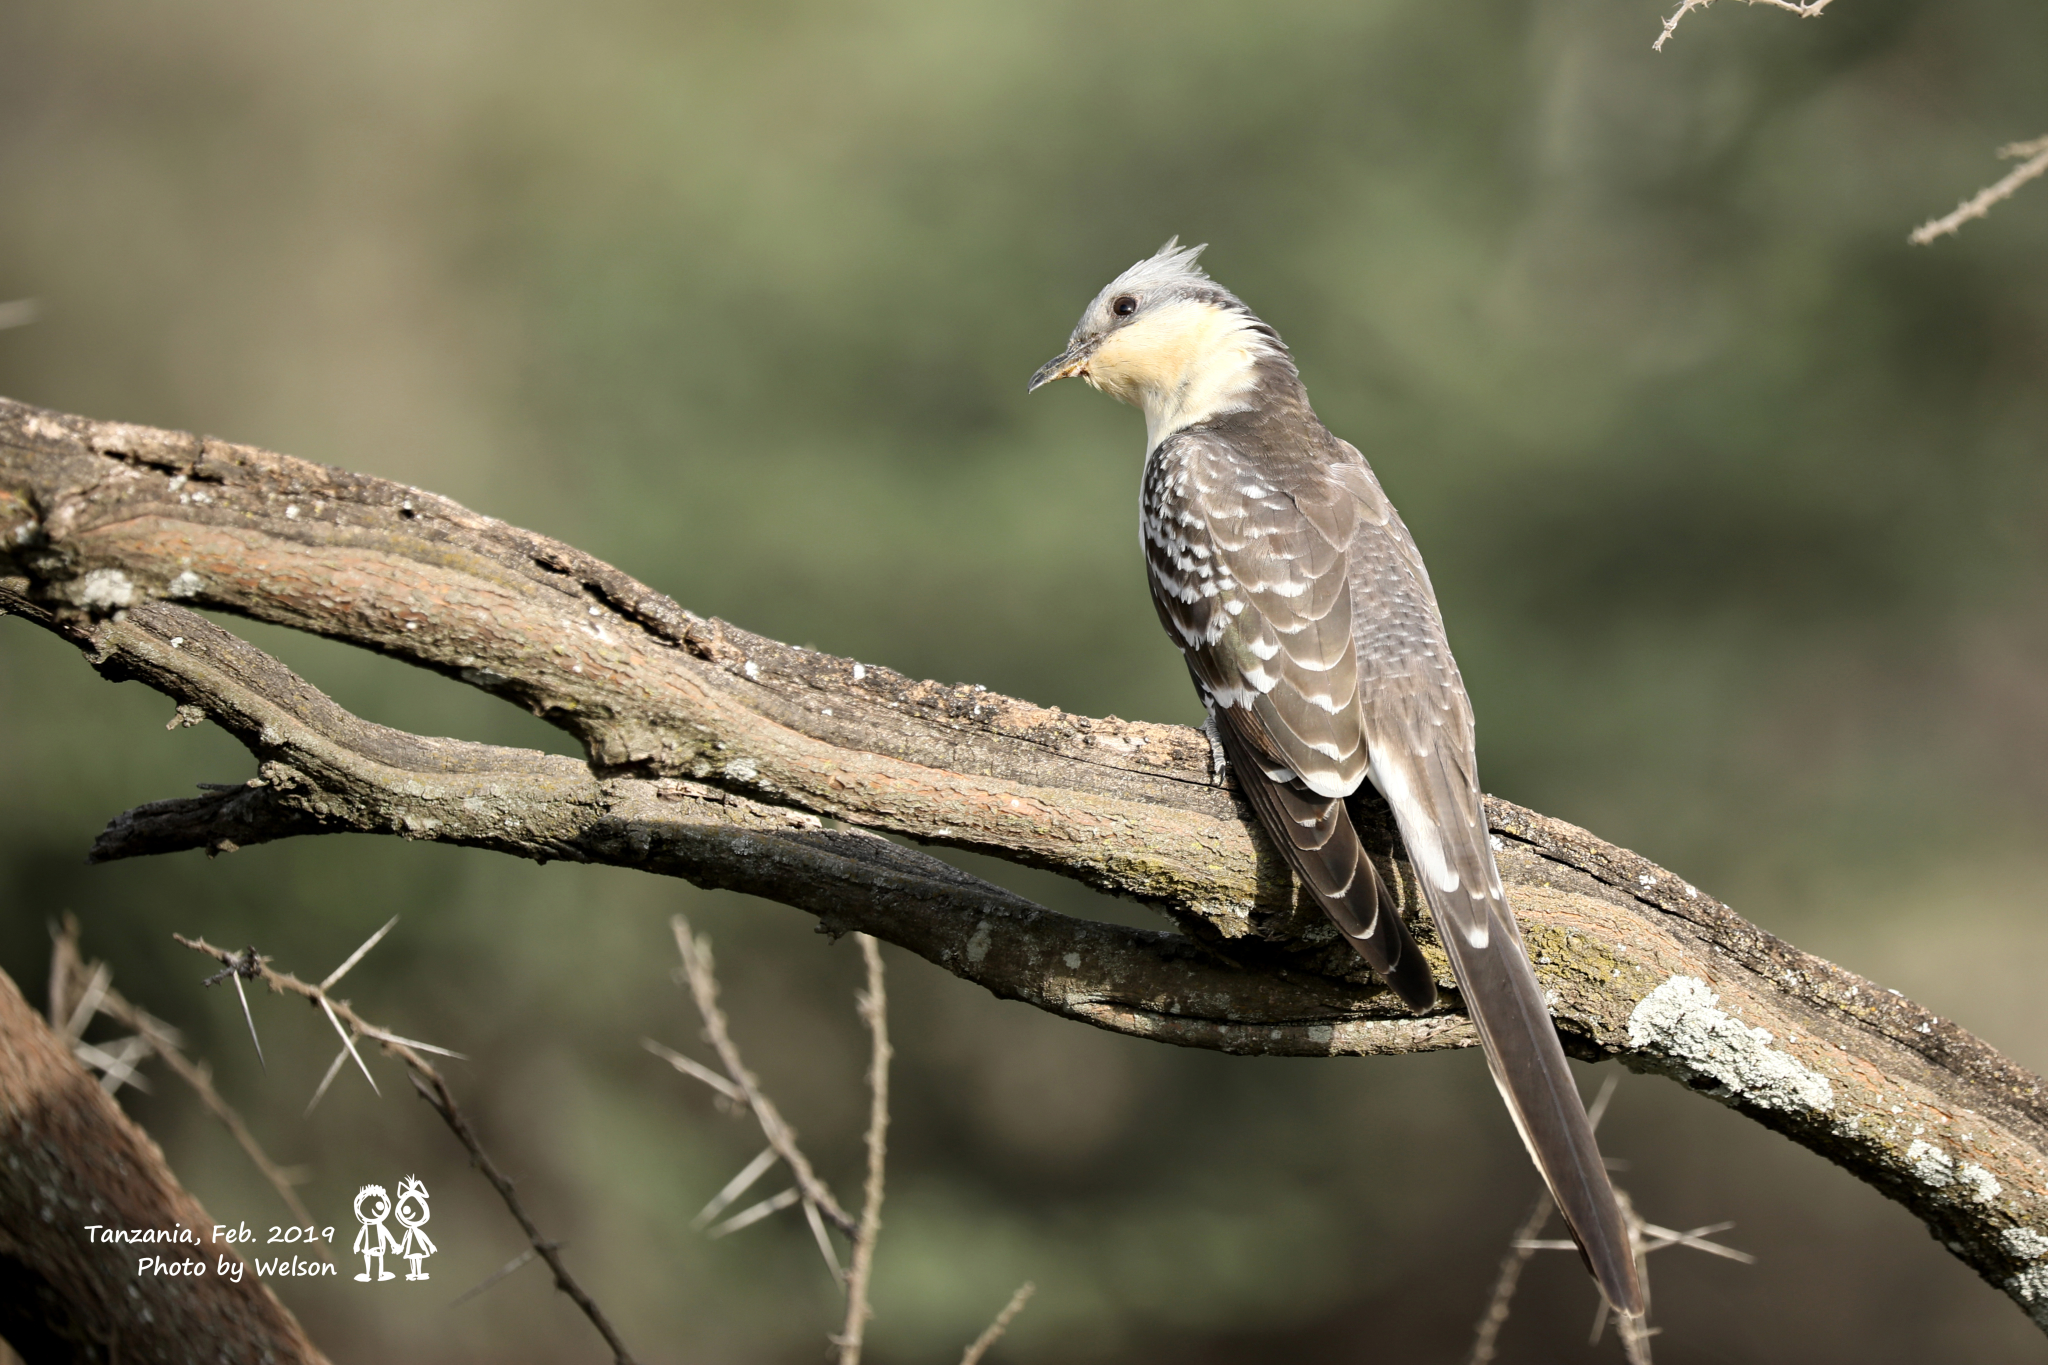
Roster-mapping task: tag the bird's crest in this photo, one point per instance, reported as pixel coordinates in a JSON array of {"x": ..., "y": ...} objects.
[{"x": 1173, "y": 265}]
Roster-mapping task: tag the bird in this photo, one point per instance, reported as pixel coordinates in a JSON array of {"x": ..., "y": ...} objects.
[{"x": 1307, "y": 620}]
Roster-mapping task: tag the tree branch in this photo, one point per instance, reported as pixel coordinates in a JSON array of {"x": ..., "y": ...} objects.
[{"x": 719, "y": 756}]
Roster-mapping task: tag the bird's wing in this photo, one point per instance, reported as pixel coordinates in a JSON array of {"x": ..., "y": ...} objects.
[
  {"x": 1255, "y": 592},
  {"x": 1419, "y": 741}
]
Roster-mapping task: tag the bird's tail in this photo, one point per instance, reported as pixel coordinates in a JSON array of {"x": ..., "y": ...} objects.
[{"x": 1528, "y": 1064}]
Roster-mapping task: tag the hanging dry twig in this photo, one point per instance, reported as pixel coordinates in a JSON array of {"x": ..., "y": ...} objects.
[
  {"x": 432, "y": 1088},
  {"x": 1982, "y": 202}
]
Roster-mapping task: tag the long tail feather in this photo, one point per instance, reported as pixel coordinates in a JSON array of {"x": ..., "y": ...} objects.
[{"x": 1528, "y": 1064}]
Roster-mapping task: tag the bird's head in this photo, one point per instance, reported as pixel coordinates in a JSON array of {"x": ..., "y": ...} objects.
[{"x": 1166, "y": 338}]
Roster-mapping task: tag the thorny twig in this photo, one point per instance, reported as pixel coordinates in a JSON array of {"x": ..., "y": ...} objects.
[
  {"x": 428, "y": 1081},
  {"x": 978, "y": 1348},
  {"x": 1805, "y": 9},
  {"x": 1982, "y": 202},
  {"x": 1520, "y": 1248},
  {"x": 71, "y": 978},
  {"x": 1644, "y": 1238},
  {"x": 874, "y": 1011},
  {"x": 703, "y": 983}
]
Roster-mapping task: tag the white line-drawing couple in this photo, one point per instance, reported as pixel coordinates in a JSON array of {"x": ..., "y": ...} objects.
[{"x": 373, "y": 1206}]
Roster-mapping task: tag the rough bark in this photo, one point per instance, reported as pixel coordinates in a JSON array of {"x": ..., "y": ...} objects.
[
  {"x": 74, "y": 1170},
  {"x": 733, "y": 761}
]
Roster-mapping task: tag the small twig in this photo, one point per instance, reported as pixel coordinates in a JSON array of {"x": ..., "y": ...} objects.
[
  {"x": 1985, "y": 199},
  {"x": 1523, "y": 1245},
  {"x": 64, "y": 965},
  {"x": 434, "y": 1090},
  {"x": 1520, "y": 1248},
  {"x": 978, "y": 1348},
  {"x": 1809, "y": 9},
  {"x": 703, "y": 983},
  {"x": 874, "y": 1010}
]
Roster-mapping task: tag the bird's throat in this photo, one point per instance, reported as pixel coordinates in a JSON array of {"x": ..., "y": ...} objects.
[{"x": 1183, "y": 365}]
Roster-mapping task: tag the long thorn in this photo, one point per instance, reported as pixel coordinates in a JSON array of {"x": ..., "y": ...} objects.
[
  {"x": 88, "y": 1003},
  {"x": 333, "y": 1070},
  {"x": 350, "y": 1044},
  {"x": 251, "y": 1021},
  {"x": 496, "y": 1275},
  {"x": 357, "y": 955},
  {"x": 695, "y": 1069},
  {"x": 1597, "y": 1110},
  {"x": 748, "y": 1217},
  {"x": 817, "y": 1222},
  {"x": 383, "y": 1035},
  {"x": 734, "y": 1188}
]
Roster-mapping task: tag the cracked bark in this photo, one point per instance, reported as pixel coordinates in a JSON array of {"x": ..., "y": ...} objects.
[{"x": 736, "y": 762}]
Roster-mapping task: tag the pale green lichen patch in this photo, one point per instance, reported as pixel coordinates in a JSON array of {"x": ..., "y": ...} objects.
[
  {"x": 1683, "y": 1020},
  {"x": 1932, "y": 1165},
  {"x": 1979, "y": 1182},
  {"x": 2025, "y": 1243}
]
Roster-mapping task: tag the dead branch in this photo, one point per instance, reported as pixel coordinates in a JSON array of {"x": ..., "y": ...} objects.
[{"x": 713, "y": 754}]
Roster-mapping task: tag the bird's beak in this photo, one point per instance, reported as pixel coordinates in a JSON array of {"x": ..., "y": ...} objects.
[{"x": 1067, "y": 364}]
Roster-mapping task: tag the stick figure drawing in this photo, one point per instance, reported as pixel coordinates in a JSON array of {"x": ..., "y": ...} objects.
[
  {"x": 412, "y": 1212},
  {"x": 375, "y": 1239}
]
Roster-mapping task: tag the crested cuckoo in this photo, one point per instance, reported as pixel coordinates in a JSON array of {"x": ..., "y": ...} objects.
[{"x": 1303, "y": 609}]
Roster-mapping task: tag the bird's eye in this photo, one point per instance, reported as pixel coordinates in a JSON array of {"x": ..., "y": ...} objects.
[{"x": 1124, "y": 306}]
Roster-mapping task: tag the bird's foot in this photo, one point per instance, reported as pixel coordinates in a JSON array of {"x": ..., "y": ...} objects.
[{"x": 1219, "y": 762}]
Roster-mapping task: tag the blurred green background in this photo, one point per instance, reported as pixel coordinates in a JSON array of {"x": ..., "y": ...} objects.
[{"x": 1734, "y": 502}]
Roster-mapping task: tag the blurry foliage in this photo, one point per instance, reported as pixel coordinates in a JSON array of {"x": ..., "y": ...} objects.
[{"x": 1734, "y": 503}]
